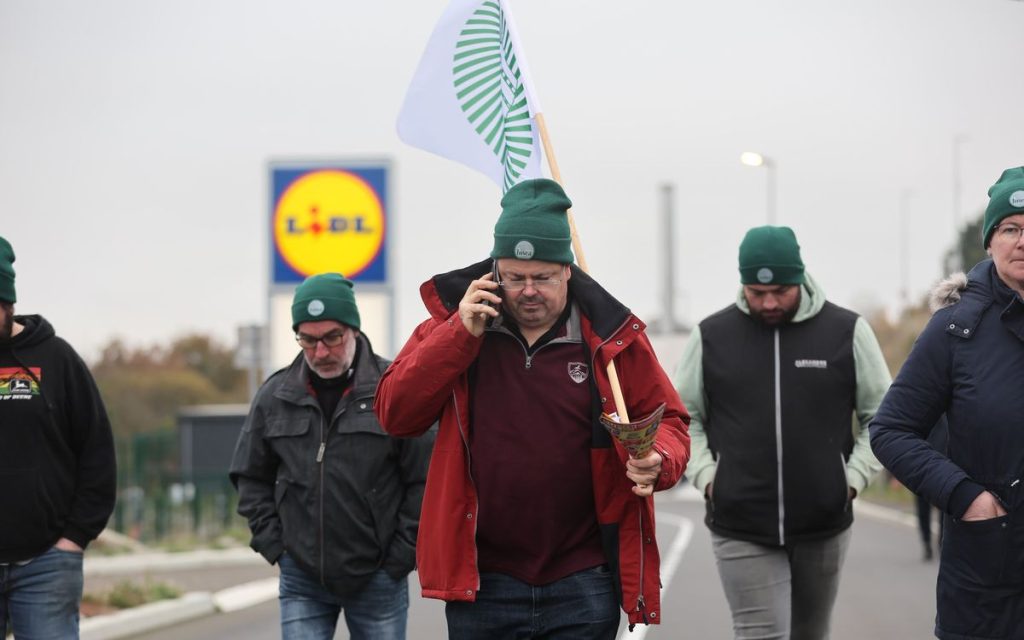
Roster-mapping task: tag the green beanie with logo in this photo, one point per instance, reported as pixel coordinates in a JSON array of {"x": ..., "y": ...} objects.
[
  {"x": 327, "y": 296},
  {"x": 770, "y": 255},
  {"x": 1006, "y": 198},
  {"x": 7, "y": 272},
  {"x": 534, "y": 223}
]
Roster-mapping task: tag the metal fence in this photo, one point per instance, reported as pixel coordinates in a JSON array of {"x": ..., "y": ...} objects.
[{"x": 157, "y": 502}]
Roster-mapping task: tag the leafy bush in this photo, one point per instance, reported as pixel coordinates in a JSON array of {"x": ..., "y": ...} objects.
[{"x": 132, "y": 593}]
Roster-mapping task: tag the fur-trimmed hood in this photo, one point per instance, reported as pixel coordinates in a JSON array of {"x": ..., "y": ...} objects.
[{"x": 947, "y": 292}]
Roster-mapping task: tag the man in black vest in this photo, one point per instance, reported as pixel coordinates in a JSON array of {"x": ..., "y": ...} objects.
[{"x": 772, "y": 383}]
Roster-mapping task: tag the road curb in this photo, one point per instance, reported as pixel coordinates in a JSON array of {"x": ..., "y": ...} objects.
[
  {"x": 246, "y": 595},
  {"x": 190, "y": 606},
  {"x": 147, "y": 617},
  {"x": 135, "y": 563}
]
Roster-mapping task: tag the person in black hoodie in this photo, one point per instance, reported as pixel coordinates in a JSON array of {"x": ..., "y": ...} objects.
[{"x": 57, "y": 471}]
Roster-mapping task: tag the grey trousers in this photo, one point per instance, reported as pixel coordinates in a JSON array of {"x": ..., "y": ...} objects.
[{"x": 781, "y": 593}]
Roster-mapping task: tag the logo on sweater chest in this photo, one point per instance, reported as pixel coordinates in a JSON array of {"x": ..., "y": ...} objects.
[
  {"x": 578, "y": 371},
  {"x": 17, "y": 384}
]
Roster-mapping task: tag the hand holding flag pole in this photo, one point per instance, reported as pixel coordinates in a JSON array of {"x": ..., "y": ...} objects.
[{"x": 637, "y": 437}]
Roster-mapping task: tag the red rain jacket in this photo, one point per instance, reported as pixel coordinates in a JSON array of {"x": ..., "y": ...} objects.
[{"x": 428, "y": 382}]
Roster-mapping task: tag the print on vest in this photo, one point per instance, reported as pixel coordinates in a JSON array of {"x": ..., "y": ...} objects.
[
  {"x": 811, "y": 364},
  {"x": 578, "y": 371}
]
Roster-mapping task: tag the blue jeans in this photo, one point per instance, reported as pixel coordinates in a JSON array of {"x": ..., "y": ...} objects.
[
  {"x": 781, "y": 593},
  {"x": 41, "y": 598},
  {"x": 580, "y": 606},
  {"x": 310, "y": 612}
]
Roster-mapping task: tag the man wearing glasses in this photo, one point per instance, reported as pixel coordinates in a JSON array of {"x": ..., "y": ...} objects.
[
  {"x": 330, "y": 498},
  {"x": 535, "y": 522}
]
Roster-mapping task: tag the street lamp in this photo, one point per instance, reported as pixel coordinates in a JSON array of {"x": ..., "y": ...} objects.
[{"x": 752, "y": 159}]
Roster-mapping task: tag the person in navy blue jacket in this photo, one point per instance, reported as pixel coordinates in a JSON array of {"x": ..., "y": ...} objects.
[{"x": 969, "y": 364}]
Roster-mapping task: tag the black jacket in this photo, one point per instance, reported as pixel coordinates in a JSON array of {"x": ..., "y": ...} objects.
[
  {"x": 340, "y": 514},
  {"x": 969, "y": 364},
  {"x": 58, "y": 476}
]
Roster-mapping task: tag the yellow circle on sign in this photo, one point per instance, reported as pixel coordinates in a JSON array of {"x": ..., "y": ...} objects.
[{"x": 329, "y": 221}]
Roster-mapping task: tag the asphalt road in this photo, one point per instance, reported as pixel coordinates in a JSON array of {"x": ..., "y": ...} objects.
[{"x": 887, "y": 592}]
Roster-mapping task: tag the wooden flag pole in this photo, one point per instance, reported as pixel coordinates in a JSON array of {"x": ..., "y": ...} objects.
[{"x": 556, "y": 175}]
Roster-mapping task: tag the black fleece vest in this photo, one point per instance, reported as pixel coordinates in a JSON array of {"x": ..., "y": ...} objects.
[{"x": 798, "y": 381}]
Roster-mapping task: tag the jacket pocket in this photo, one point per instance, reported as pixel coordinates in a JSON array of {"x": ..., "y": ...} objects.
[
  {"x": 975, "y": 594},
  {"x": 280, "y": 489},
  {"x": 845, "y": 483},
  {"x": 290, "y": 439},
  {"x": 287, "y": 426},
  {"x": 383, "y": 503},
  {"x": 742, "y": 501},
  {"x": 976, "y": 550},
  {"x": 360, "y": 418},
  {"x": 299, "y": 529}
]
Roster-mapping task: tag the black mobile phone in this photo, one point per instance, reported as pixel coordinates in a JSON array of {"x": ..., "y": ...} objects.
[{"x": 495, "y": 279}]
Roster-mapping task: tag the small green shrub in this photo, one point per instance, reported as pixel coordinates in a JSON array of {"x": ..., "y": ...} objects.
[{"x": 131, "y": 593}]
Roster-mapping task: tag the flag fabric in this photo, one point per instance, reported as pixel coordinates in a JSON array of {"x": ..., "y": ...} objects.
[{"x": 471, "y": 100}]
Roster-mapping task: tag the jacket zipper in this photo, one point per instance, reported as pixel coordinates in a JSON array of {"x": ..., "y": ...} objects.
[
  {"x": 778, "y": 439},
  {"x": 640, "y": 604},
  {"x": 526, "y": 352},
  {"x": 320, "y": 463},
  {"x": 469, "y": 472}
]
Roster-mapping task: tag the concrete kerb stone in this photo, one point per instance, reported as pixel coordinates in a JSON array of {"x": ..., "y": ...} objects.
[
  {"x": 165, "y": 613},
  {"x": 246, "y": 595},
  {"x": 134, "y": 563},
  {"x": 147, "y": 617},
  {"x": 189, "y": 606}
]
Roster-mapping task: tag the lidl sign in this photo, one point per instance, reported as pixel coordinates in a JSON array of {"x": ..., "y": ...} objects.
[{"x": 329, "y": 219}]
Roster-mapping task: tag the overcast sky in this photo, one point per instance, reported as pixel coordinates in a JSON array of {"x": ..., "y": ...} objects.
[{"x": 135, "y": 137}]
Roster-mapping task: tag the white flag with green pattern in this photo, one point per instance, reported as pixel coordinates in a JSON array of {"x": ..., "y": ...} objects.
[{"x": 470, "y": 99}]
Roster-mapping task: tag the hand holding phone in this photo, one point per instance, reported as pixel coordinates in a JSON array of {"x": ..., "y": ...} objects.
[
  {"x": 496, "y": 279},
  {"x": 479, "y": 305}
]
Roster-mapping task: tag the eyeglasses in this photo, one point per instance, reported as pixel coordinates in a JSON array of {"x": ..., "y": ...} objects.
[
  {"x": 516, "y": 285},
  {"x": 332, "y": 339},
  {"x": 1009, "y": 232}
]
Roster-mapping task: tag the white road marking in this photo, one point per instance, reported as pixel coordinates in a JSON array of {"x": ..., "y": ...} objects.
[
  {"x": 888, "y": 514},
  {"x": 683, "y": 492}
]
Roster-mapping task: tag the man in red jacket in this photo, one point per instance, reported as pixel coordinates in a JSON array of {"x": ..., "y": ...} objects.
[{"x": 535, "y": 522}]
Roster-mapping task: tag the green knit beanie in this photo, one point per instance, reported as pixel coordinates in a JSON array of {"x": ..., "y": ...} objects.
[
  {"x": 7, "y": 272},
  {"x": 533, "y": 224},
  {"x": 770, "y": 255},
  {"x": 1006, "y": 198},
  {"x": 327, "y": 296}
]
